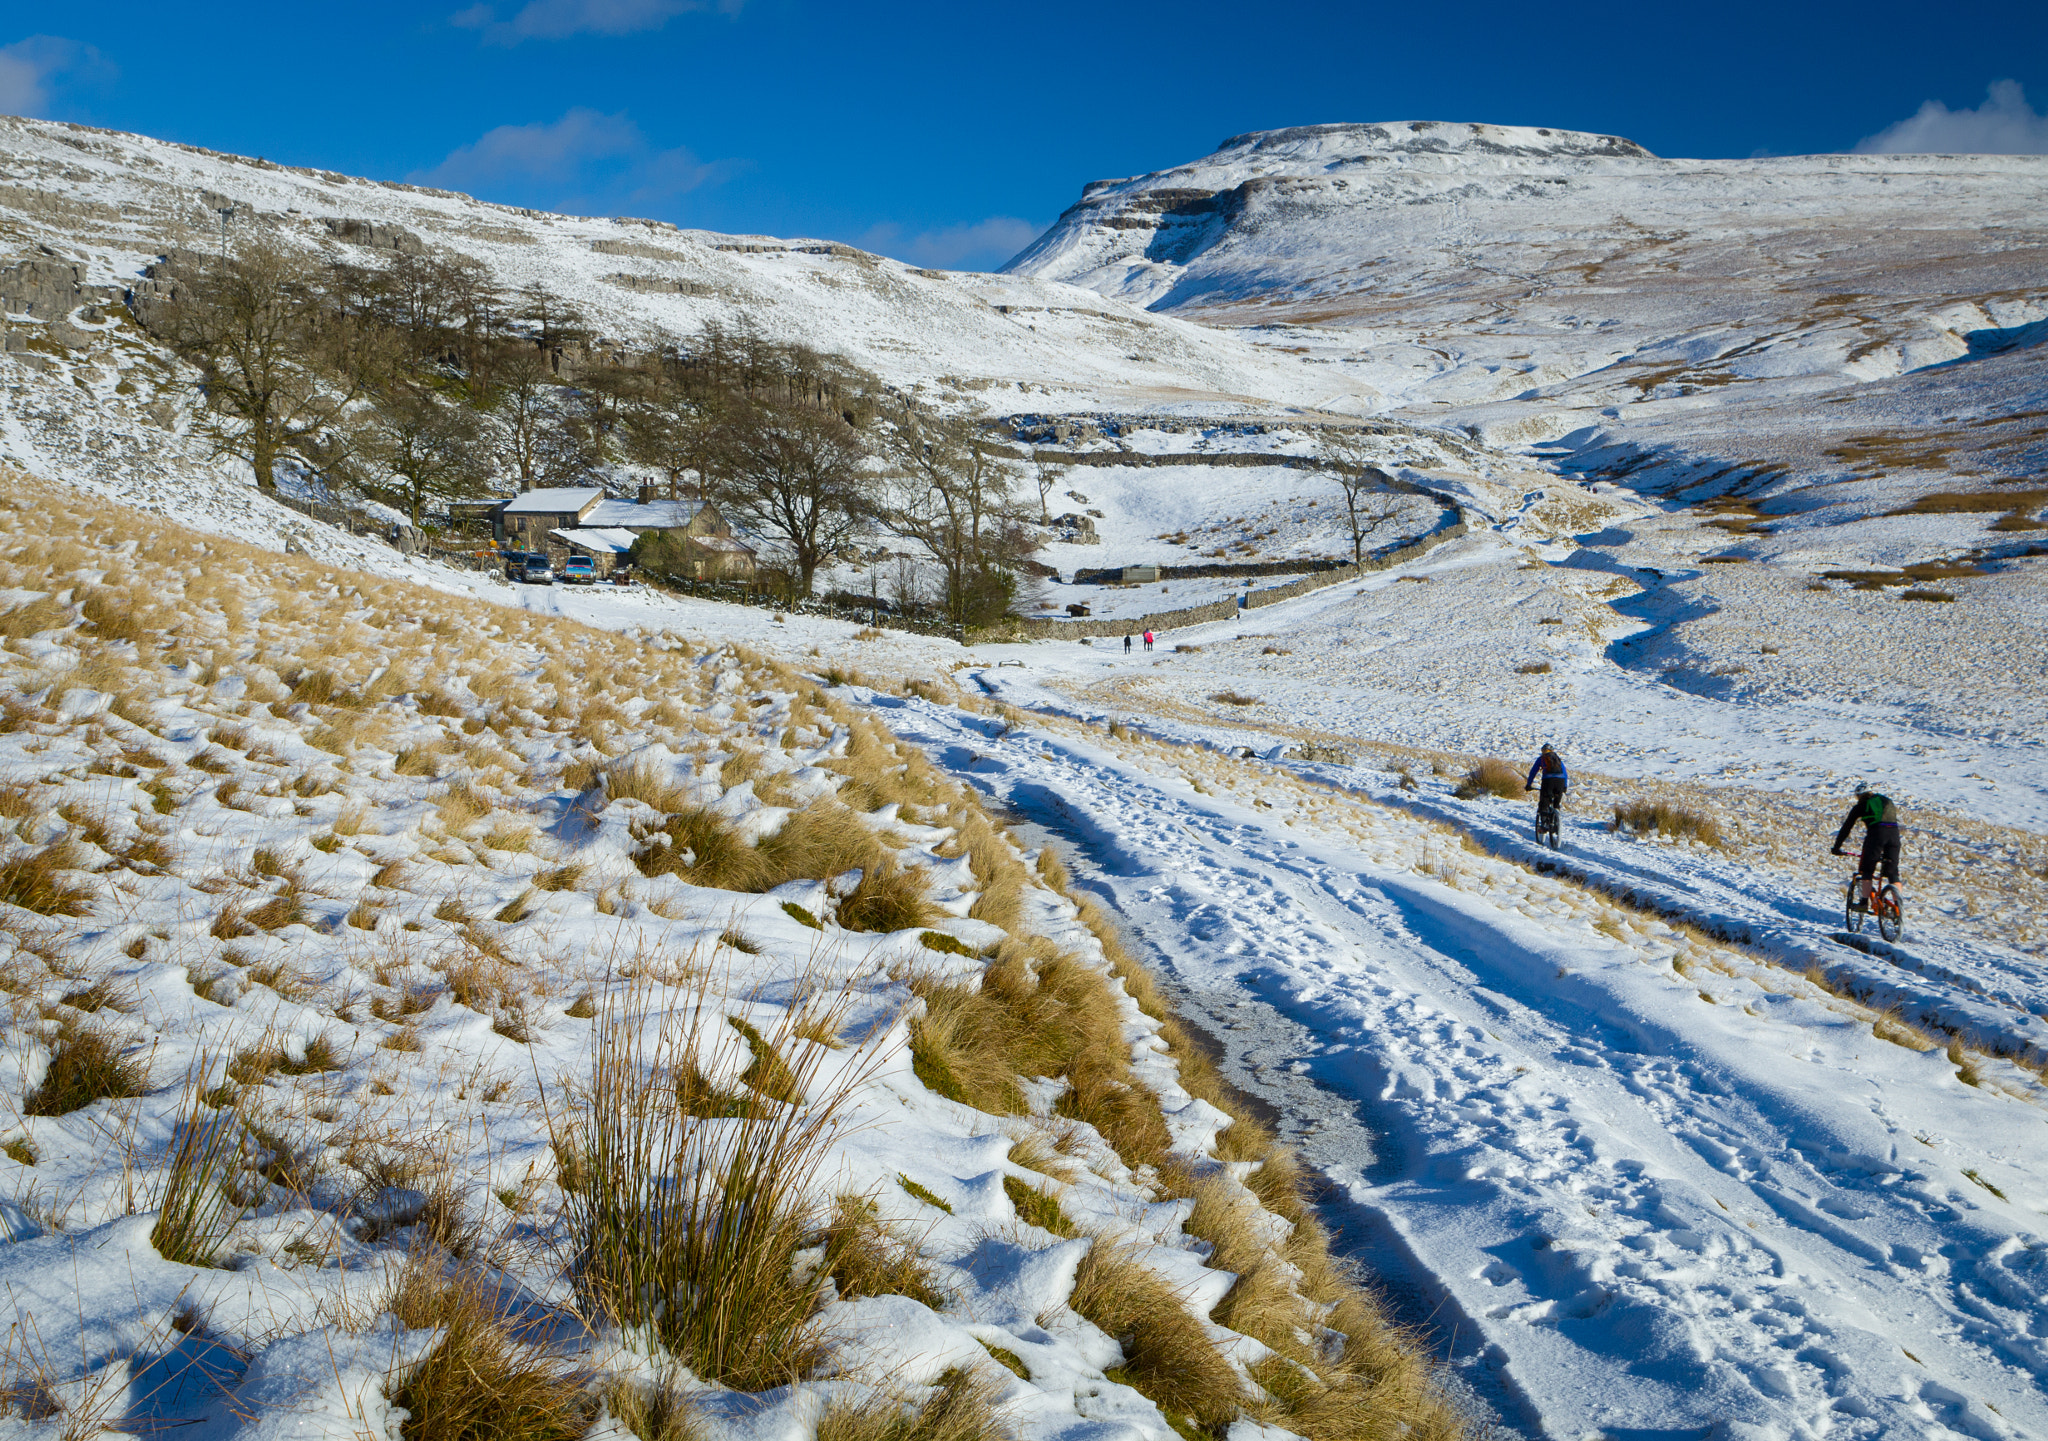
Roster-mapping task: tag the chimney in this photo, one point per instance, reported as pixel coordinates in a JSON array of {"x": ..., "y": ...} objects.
[{"x": 646, "y": 494}]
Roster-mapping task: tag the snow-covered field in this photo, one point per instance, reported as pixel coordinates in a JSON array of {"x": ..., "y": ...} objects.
[
  {"x": 399, "y": 984},
  {"x": 1636, "y": 1135}
]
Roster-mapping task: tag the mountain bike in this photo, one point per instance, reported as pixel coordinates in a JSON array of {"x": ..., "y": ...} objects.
[
  {"x": 1547, "y": 823},
  {"x": 1884, "y": 902}
]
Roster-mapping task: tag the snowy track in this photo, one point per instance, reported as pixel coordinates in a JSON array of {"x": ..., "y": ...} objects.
[{"x": 1639, "y": 1214}]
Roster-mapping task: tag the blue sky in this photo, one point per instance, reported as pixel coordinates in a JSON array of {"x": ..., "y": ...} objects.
[{"x": 949, "y": 134}]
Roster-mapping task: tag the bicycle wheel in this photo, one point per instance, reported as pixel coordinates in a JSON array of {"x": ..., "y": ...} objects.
[
  {"x": 1891, "y": 913},
  {"x": 1852, "y": 912},
  {"x": 1552, "y": 832}
]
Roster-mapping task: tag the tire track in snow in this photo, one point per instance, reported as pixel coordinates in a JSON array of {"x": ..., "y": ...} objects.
[{"x": 1646, "y": 1216}]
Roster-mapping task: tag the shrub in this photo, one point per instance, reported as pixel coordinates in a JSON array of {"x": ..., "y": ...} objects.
[
  {"x": 1491, "y": 777},
  {"x": 86, "y": 1065},
  {"x": 1231, "y": 697},
  {"x": 1925, "y": 593},
  {"x": 1668, "y": 819},
  {"x": 1534, "y": 667}
]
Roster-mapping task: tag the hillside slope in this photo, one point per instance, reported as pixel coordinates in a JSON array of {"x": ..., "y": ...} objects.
[
  {"x": 1668, "y": 318},
  {"x": 105, "y": 204}
]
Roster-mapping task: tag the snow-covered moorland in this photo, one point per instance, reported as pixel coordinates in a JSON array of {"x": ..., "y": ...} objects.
[{"x": 425, "y": 1015}]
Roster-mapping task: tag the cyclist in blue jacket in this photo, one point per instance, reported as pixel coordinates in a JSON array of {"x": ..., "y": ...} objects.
[{"x": 1556, "y": 780}]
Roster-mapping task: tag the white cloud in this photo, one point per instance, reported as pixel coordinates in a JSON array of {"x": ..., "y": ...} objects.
[
  {"x": 29, "y": 67},
  {"x": 584, "y": 161},
  {"x": 2005, "y": 124},
  {"x": 981, "y": 245},
  {"x": 558, "y": 19}
]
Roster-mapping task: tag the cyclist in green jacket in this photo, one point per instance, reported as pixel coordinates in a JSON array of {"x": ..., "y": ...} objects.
[{"x": 1880, "y": 833}]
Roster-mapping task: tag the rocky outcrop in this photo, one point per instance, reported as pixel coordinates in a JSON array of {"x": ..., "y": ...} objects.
[
  {"x": 375, "y": 234},
  {"x": 658, "y": 284},
  {"x": 48, "y": 287}
]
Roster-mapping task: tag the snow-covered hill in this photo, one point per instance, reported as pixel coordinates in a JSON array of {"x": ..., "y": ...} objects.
[
  {"x": 111, "y": 203},
  {"x": 1795, "y": 318}
]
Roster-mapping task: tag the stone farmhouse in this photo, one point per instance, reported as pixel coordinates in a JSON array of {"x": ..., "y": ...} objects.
[{"x": 581, "y": 519}]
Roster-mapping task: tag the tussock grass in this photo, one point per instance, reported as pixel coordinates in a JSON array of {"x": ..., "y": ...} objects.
[
  {"x": 480, "y": 1382},
  {"x": 1668, "y": 818},
  {"x": 88, "y": 1063},
  {"x": 1168, "y": 1357},
  {"x": 1491, "y": 777},
  {"x": 654, "y": 1412},
  {"x": 960, "y": 1408},
  {"x": 865, "y": 1256},
  {"x": 1037, "y": 1013},
  {"x": 37, "y": 881},
  {"x": 890, "y": 897},
  {"x": 1231, "y": 697},
  {"x": 689, "y": 1226},
  {"x": 196, "y": 1208}
]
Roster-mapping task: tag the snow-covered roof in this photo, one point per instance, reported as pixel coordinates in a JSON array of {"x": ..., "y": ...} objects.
[
  {"x": 597, "y": 538},
  {"x": 654, "y": 515},
  {"x": 554, "y": 500}
]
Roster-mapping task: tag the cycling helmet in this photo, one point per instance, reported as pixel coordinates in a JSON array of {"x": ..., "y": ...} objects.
[
  {"x": 1546, "y": 747},
  {"x": 1863, "y": 788}
]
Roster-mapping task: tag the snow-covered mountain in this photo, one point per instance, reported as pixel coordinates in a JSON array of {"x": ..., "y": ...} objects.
[
  {"x": 1542, "y": 284},
  {"x": 109, "y": 203}
]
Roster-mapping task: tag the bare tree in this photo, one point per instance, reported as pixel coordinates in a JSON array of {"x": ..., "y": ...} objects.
[
  {"x": 416, "y": 445},
  {"x": 279, "y": 360},
  {"x": 1372, "y": 498},
  {"x": 539, "y": 447},
  {"x": 1048, "y": 478},
  {"x": 796, "y": 474},
  {"x": 953, "y": 497}
]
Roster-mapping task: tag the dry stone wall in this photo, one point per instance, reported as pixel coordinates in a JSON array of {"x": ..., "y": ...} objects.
[{"x": 1455, "y": 525}]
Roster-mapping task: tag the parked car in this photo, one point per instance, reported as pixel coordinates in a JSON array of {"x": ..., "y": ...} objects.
[
  {"x": 579, "y": 570},
  {"x": 530, "y": 566}
]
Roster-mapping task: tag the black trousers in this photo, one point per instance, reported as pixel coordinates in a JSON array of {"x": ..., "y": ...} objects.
[
  {"x": 1880, "y": 844},
  {"x": 1552, "y": 793}
]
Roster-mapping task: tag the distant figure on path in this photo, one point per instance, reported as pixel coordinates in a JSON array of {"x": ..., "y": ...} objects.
[
  {"x": 1127, "y": 645},
  {"x": 1148, "y": 640}
]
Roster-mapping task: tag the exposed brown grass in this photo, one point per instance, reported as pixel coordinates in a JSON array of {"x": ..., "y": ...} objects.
[
  {"x": 480, "y": 1382},
  {"x": 1167, "y": 1355},
  {"x": 1037, "y": 1013},
  {"x": 960, "y": 1408},
  {"x": 1668, "y": 818},
  {"x": 37, "y": 881},
  {"x": 88, "y": 1063},
  {"x": 1491, "y": 777},
  {"x": 865, "y": 1256}
]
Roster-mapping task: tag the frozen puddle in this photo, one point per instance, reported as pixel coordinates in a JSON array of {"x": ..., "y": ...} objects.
[{"x": 1647, "y": 1188}]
